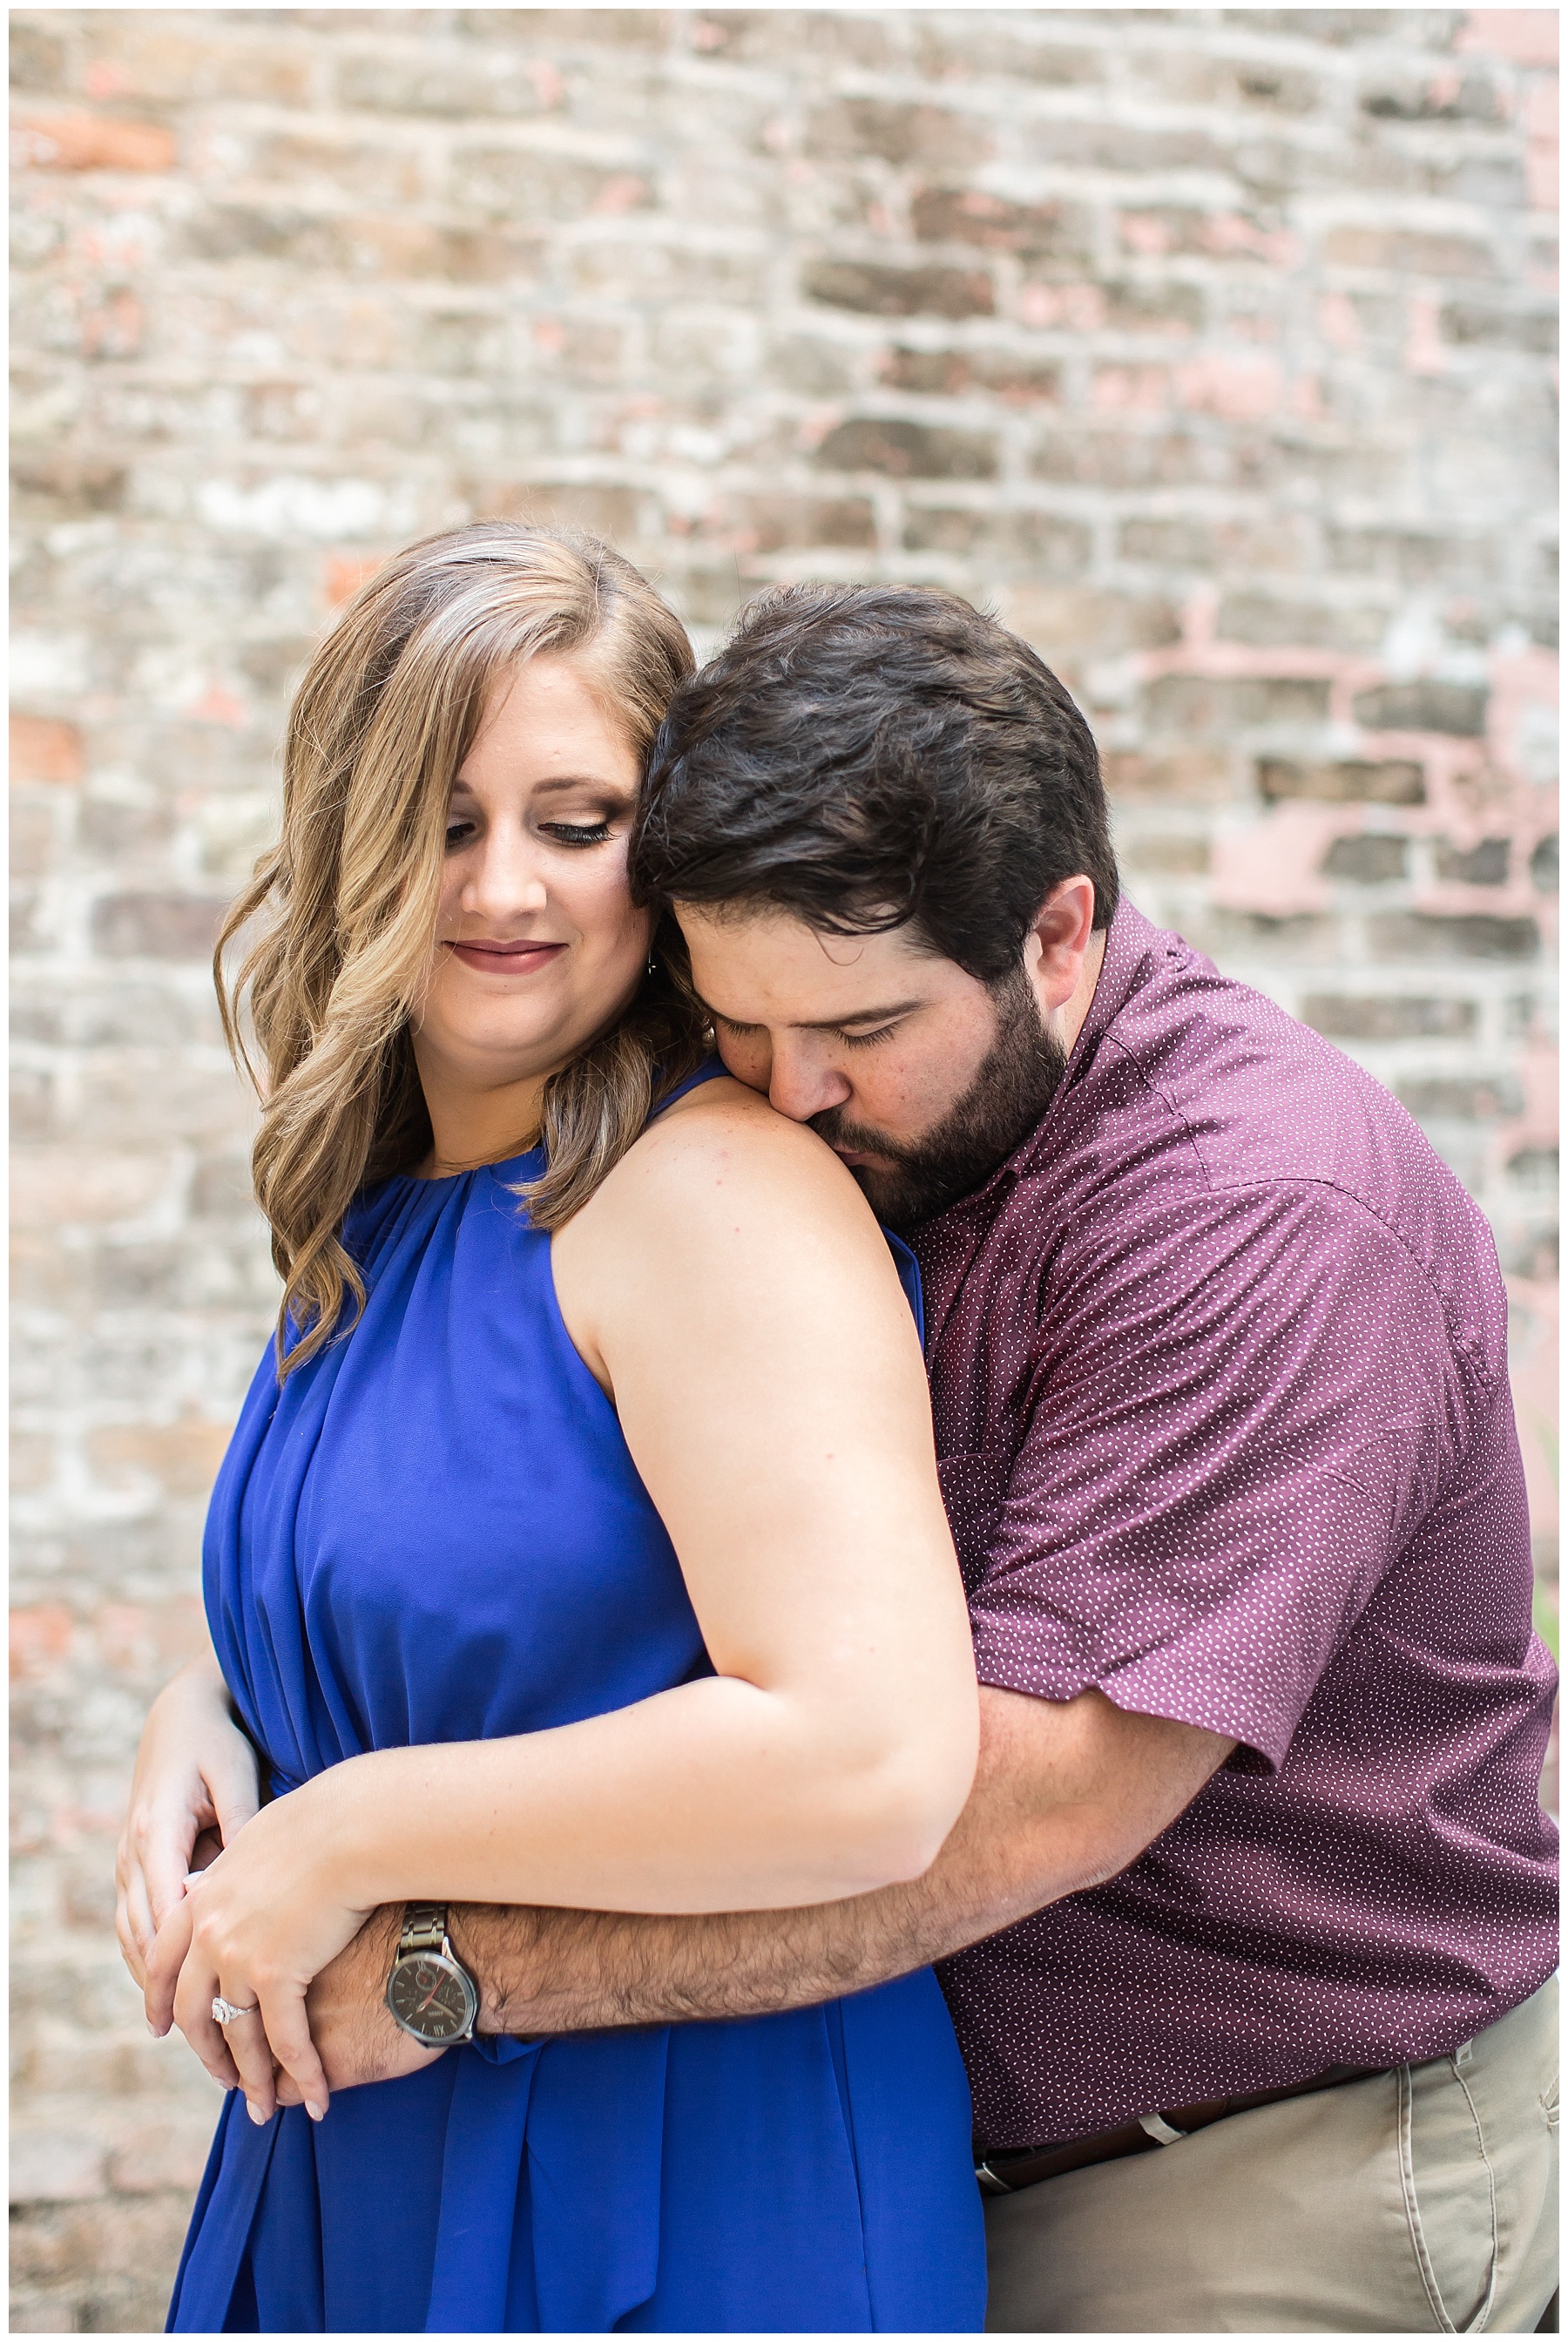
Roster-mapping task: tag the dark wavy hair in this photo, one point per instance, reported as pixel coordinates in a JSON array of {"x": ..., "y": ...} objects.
[{"x": 869, "y": 756}]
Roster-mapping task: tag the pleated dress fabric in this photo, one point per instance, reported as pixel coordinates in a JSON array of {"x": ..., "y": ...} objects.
[{"x": 435, "y": 1531}]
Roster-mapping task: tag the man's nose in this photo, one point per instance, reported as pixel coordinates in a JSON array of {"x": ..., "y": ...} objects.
[{"x": 801, "y": 1087}]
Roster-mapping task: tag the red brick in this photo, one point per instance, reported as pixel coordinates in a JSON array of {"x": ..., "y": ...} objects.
[
  {"x": 547, "y": 29},
  {"x": 161, "y": 2155},
  {"x": 40, "y": 1639},
  {"x": 1017, "y": 48},
  {"x": 60, "y": 1187},
  {"x": 958, "y": 374},
  {"x": 33, "y": 1459},
  {"x": 1225, "y": 703},
  {"x": 38, "y": 58},
  {"x": 1192, "y": 77},
  {"x": 1046, "y": 544},
  {"x": 1484, "y": 865},
  {"x": 133, "y": 58},
  {"x": 1393, "y": 1017},
  {"x": 774, "y": 36},
  {"x": 917, "y": 451},
  {"x": 1369, "y": 858},
  {"x": 1476, "y": 1098},
  {"x": 1266, "y": 622},
  {"x": 929, "y": 136},
  {"x": 343, "y": 574},
  {"x": 44, "y": 749},
  {"x": 1428, "y": 705},
  {"x": 880, "y": 291},
  {"x": 608, "y": 512},
  {"x": 1180, "y": 776},
  {"x": 1418, "y": 935},
  {"x": 1346, "y": 780},
  {"x": 1055, "y": 231},
  {"x": 182, "y": 1457},
  {"x": 165, "y": 925},
  {"x": 88, "y": 142},
  {"x": 1063, "y": 621},
  {"x": 1408, "y": 252},
  {"x": 774, "y": 524}
]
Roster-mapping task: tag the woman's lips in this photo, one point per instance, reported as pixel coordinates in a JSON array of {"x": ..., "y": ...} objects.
[{"x": 504, "y": 958}]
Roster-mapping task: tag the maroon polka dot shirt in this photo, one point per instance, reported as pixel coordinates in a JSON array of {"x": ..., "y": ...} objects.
[{"x": 1218, "y": 1361}]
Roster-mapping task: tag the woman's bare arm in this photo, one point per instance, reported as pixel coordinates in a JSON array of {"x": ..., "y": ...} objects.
[{"x": 732, "y": 1290}]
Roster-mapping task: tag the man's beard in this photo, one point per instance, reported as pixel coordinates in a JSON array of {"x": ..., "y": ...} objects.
[{"x": 1017, "y": 1079}]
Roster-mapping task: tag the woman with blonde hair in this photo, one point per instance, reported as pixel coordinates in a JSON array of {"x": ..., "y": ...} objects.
[{"x": 580, "y": 1543}]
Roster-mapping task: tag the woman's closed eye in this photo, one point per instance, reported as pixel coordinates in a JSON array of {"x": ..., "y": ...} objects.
[
  {"x": 461, "y": 832},
  {"x": 573, "y": 833}
]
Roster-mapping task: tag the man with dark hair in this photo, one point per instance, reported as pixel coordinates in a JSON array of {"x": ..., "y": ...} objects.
[
  {"x": 1249, "y": 1926},
  {"x": 881, "y": 761}
]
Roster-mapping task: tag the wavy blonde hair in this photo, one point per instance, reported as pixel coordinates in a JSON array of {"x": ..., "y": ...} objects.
[{"x": 389, "y": 708}]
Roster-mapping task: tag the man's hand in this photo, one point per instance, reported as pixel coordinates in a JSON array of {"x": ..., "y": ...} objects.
[{"x": 355, "y": 2034}]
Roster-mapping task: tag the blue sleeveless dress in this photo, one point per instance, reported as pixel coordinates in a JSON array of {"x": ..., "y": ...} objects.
[{"x": 435, "y": 1532}]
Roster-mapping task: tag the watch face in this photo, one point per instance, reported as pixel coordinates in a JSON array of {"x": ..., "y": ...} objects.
[{"x": 431, "y": 1996}]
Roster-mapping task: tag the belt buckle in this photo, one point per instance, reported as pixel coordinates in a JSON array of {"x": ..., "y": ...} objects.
[{"x": 991, "y": 2183}]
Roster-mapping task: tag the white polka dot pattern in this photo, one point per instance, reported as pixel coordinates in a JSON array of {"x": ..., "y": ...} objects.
[{"x": 1222, "y": 1402}]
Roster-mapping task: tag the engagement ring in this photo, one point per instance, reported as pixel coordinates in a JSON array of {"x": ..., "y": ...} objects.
[{"x": 224, "y": 2012}]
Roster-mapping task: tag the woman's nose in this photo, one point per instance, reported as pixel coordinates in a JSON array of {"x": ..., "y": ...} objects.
[{"x": 505, "y": 879}]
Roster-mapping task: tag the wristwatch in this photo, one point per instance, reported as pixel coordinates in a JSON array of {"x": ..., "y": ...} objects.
[{"x": 429, "y": 1992}]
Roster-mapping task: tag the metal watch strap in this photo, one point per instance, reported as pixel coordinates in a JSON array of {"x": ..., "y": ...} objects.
[{"x": 424, "y": 1928}]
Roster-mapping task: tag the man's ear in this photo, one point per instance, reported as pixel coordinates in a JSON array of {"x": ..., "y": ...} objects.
[{"x": 1060, "y": 940}]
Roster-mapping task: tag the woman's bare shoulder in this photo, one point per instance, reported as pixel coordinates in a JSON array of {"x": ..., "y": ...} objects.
[
  {"x": 738, "y": 1243},
  {"x": 718, "y": 1166},
  {"x": 724, "y": 1141}
]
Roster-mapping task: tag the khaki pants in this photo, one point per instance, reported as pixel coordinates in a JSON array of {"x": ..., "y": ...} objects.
[{"x": 1422, "y": 2201}]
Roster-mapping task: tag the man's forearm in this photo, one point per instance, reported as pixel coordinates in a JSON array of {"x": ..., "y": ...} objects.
[
  {"x": 547, "y": 1971},
  {"x": 558, "y": 1972}
]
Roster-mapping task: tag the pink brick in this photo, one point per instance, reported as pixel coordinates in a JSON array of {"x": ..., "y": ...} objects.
[
  {"x": 1526, "y": 36},
  {"x": 1237, "y": 386}
]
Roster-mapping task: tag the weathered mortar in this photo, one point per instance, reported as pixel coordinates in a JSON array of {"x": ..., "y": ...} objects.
[{"x": 1209, "y": 348}]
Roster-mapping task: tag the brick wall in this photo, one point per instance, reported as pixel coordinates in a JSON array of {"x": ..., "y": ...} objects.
[{"x": 1211, "y": 348}]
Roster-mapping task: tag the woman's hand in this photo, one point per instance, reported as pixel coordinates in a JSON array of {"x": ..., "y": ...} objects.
[
  {"x": 356, "y": 2034},
  {"x": 256, "y": 1928},
  {"x": 194, "y": 1790}
]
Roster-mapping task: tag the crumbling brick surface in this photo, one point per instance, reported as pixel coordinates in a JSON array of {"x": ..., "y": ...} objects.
[{"x": 1209, "y": 348}]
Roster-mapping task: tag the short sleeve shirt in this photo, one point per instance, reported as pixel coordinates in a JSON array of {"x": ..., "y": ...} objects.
[{"x": 1219, "y": 1373}]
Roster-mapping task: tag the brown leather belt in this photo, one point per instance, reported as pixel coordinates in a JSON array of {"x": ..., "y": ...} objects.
[{"x": 1003, "y": 2173}]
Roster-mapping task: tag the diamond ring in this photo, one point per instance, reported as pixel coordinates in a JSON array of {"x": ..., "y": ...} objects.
[{"x": 224, "y": 2011}]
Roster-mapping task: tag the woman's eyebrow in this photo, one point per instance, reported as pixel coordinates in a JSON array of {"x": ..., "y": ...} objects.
[
  {"x": 585, "y": 781},
  {"x": 562, "y": 781}
]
